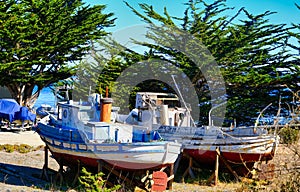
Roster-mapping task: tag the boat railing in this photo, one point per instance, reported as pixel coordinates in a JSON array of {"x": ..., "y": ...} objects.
[{"x": 105, "y": 147}]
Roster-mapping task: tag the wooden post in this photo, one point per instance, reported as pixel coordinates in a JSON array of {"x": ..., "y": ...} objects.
[
  {"x": 45, "y": 167},
  {"x": 216, "y": 176},
  {"x": 60, "y": 172},
  {"x": 227, "y": 165},
  {"x": 171, "y": 177},
  {"x": 77, "y": 173},
  {"x": 99, "y": 166},
  {"x": 189, "y": 170}
]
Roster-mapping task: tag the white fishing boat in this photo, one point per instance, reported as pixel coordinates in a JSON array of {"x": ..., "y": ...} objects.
[{"x": 239, "y": 145}]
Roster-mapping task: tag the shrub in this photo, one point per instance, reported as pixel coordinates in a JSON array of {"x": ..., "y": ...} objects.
[
  {"x": 292, "y": 183},
  {"x": 289, "y": 135},
  {"x": 24, "y": 148},
  {"x": 94, "y": 182},
  {"x": 9, "y": 148}
]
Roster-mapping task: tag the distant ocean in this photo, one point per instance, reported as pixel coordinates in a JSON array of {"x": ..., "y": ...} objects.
[{"x": 46, "y": 97}]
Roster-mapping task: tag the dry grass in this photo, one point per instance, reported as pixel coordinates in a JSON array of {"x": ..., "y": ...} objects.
[
  {"x": 286, "y": 173},
  {"x": 287, "y": 176}
]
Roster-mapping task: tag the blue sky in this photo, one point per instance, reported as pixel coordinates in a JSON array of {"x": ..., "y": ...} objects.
[{"x": 286, "y": 9}]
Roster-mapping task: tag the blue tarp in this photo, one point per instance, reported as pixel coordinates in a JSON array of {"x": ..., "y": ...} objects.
[
  {"x": 11, "y": 110},
  {"x": 25, "y": 114}
]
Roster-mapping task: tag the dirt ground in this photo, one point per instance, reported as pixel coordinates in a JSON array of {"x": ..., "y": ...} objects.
[
  {"x": 20, "y": 137},
  {"x": 22, "y": 172}
]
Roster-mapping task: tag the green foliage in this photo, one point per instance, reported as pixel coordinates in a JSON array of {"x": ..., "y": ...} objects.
[
  {"x": 94, "y": 182},
  {"x": 103, "y": 68},
  {"x": 289, "y": 135},
  {"x": 40, "y": 39},
  {"x": 247, "y": 47}
]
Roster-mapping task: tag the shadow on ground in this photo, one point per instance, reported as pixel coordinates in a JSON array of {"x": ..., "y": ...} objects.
[{"x": 23, "y": 176}]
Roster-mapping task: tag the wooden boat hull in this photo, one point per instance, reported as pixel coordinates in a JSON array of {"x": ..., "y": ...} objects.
[
  {"x": 72, "y": 160},
  {"x": 239, "y": 151},
  {"x": 237, "y": 145},
  {"x": 208, "y": 157},
  {"x": 133, "y": 156}
]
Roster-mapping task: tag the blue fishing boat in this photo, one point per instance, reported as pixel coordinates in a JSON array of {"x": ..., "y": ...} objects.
[{"x": 74, "y": 135}]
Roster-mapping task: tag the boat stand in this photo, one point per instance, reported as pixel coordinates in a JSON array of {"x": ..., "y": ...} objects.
[
  {"x": 141, "y": 179},
  {"x": 214, "y": 178},
  {"x": 132, "y": 178},
  {"x": 60, "y": 174},
  {"x": 44, "y": 173},
  {"x": 215, "y": 175},
  {"x": 170, "y": 179},
  {"x": 190, "y": 170}
]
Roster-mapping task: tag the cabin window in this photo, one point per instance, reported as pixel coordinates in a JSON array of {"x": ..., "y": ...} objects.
[
  {"x": 65, "y": 113},
  {"x": 59, "y": 114}
]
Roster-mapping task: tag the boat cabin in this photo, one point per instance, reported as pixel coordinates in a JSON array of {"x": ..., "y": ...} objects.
[
  {"x": 81, "y": 118},
  {"x": 160, "y": 109}
]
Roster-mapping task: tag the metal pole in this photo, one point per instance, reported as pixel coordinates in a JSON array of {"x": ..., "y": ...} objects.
[
  {"x": 209, "y": 113},
  {"x": 180, "y": 95}
]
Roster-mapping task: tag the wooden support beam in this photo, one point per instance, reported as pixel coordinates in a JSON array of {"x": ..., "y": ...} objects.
[
  {"x": 100, "y": 169},
  {"x": 77, "y": 173},
  {"x": 44, "y": 173},
  {"x": 216, "y": 175},
  {"x": 124, "y": 178},
  {"x": 171, "y": 177},
  {"x": 59, "y": 175},
  {"x": 189, "y": 170},
  {"x": 99, "y": 166},
  {"x": 227, "y": 165},
  {"x": 209, "y": 180}
]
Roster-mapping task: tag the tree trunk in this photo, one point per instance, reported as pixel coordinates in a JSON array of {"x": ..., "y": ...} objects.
[
  {"x": 23, "y": 94},
  {"x": 30, "y": 97}
]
